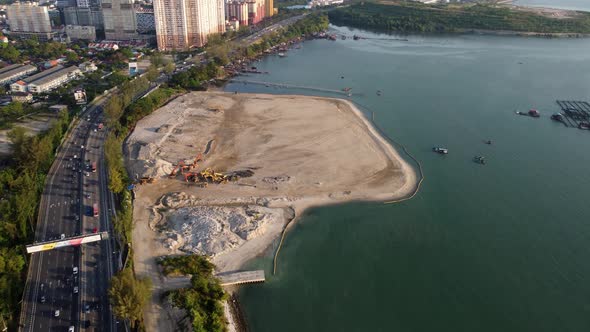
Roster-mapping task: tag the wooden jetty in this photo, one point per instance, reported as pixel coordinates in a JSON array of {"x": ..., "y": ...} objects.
[
  {"x": 292, "y": 86},
  {"x": 576, "y": 114}
]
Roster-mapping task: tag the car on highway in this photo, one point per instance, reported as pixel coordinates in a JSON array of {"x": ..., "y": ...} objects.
[
  {"x": 87, "y": 308},
  {"x": 43, "y": 299},
  {"x": 75, "y": 270},
  {"x": 75, "y": 289},
  {"x": 63, "y": 236},
  {"x": 71, "y": 329},
  {"x": 56, "y": 313},
  {"x": 77, "y": 217},
  {"x": 95, "y": 230}
]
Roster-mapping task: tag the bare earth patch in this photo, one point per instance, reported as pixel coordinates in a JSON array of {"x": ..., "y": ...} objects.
[{"x": 293, "y": 152}]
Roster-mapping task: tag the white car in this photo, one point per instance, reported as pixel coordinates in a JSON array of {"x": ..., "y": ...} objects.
[
  {"x": 71, "y": 329},
  {"x": 75, "y": 289},
  {"x": 56, "y": 313},
  {"x": 63, "y": 236},
  {"x": 75, "y": 270}
]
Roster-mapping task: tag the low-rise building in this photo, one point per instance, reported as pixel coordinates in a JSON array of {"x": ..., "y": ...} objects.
[
  {"x": 81, "y": 32},
  {"x": 321, "y": 3},
  {"x": 104, "y": 46},
  {"x": 47, "y": 80},
  {"x": 87, "y": 67},
  {"x": 15, "y": 72},
  {"x": 23, "y": 97},
  {"x": 58, "y": 108}
]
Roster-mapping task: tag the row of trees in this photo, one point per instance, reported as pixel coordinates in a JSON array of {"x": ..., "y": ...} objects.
[
  {"x": 221, "y": 51},
  {"x": 308, "y": 25},
  {"x": 416, "y": 17},
  {"x": 21, "y": 185},
  {"x": 128, "y": 294},
  {"x": 32, "y": 49},
  {"x": 203, "y": 301}
]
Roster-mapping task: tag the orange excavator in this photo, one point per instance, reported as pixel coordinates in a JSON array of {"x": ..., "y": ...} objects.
[
  {"x": 176, "y": 168},
  {"x": 198, "y": 158}
]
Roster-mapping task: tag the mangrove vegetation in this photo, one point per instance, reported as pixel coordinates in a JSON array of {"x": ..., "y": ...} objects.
[{"x": 417, "y": 17}]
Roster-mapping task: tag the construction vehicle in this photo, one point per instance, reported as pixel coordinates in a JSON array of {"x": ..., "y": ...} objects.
[
  {"x": 209, "y": 175},
  {"x": 147, "y": 179},
  {"x": 176, "y": 168},
  {"x": 198, "y": 158}
]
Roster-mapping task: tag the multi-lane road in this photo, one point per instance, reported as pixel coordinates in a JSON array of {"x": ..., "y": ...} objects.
[{"x": 67, "y": 287}]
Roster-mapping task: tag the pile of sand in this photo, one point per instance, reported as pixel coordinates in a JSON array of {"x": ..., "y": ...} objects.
[{"x": 211, "y": 230}]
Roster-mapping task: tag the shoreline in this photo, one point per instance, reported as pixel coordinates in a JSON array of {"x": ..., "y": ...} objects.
[{"x": 399, "y": 179}]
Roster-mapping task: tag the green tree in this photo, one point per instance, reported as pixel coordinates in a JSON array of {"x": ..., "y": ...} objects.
[
  {"x": 9, "y": 53},
  {"x": 169, "y": 68},
  {"x": 152, "y": 73},
  {"x": 129, "y": 295},
  {"x": 71, "y": 56}
]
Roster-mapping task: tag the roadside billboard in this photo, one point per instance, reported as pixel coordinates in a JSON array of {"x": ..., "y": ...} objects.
[{"x": 80, "y": 96}]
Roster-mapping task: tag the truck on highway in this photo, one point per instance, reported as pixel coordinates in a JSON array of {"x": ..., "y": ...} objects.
[
  {"x": 94, "y": 167},
  {"x": 95, "y": 209}
]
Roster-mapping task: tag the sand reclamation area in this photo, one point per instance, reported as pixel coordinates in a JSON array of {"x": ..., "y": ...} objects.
[{"x": 289, "y": 153}]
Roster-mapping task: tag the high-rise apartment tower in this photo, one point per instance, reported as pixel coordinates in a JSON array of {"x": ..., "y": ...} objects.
[
  {"x": 119, "y": 19},
  {"x": 182, "y": 24}
]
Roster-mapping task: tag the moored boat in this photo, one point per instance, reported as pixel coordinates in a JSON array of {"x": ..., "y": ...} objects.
[{"x": 440, "y": 150}]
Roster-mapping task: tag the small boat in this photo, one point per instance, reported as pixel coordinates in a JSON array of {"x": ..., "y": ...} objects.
[
  {"x": 355, "y": 37},
  {"x": 479, "y": 160},
  {"x": 282, "y": 55},
  {"x": 532, "y": 113},
  {"x": 488, "y": 142},
  {"x": 440, "y": 150},
  {"x": 378, "y": 92},
  {"x": 557, "y": 117},
  {"x": 584, "y": 125},
  {"x": 346, "y": 89}
]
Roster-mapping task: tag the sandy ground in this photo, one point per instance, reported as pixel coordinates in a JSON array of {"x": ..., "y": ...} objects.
[{"x": 304, "y": 151}]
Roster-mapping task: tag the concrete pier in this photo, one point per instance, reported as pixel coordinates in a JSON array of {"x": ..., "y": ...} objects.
[{"x": 242, "y": 277}]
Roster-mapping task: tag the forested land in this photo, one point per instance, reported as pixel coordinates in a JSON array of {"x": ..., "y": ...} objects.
[
  {"x": 416, "y": 17},
  {"x": 203, "y": 301},
  {"x": 21, "y": 185}
]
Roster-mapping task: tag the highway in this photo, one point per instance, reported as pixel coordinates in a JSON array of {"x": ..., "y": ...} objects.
[{"x": 67, "y": 287}]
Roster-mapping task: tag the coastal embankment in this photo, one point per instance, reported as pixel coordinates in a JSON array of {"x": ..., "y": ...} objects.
[{"x": 274, "y": 156}]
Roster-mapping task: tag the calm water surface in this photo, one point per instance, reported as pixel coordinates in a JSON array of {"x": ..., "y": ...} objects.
[{"x": 500, "y": 247}]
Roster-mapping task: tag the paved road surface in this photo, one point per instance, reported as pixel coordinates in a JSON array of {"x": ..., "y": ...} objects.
[{"x": 65, "y": 209}]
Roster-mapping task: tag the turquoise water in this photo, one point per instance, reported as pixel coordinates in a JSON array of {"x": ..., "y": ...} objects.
[{"x": 500, "y": 247}]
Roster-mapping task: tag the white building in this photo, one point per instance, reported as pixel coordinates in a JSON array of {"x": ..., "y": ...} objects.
[
  {"x": 47, "y": 80},
  {"x": 87, "y": 67},
  {"x": 12, "y": 73}
]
